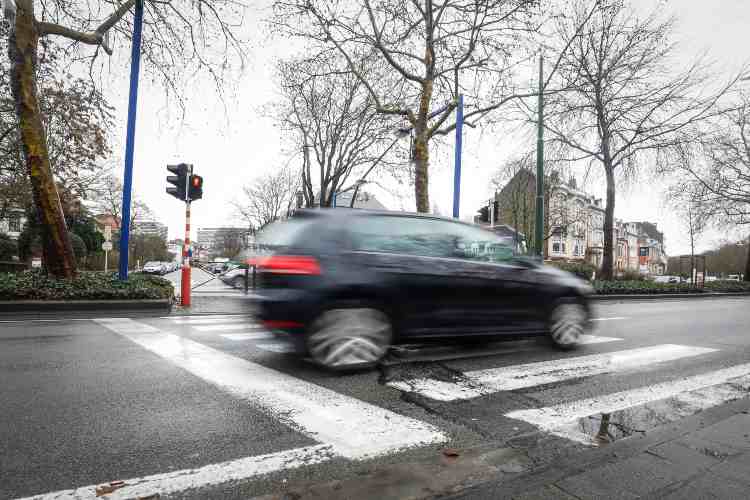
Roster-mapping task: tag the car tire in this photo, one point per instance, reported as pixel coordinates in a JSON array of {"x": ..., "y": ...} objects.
[
  {"x": 238, "y": 282},
  {"x": 568, "y": 320},
  {"x": 351, "y": 336}
]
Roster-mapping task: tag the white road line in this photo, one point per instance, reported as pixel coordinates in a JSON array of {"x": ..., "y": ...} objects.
[
  {"x": 209, "y": 475},
  {"x": 508, "y": 378},
  {"x": 609, "y": 319},
  {"x": 278, "y": 347},
  {"x": 248, "y": 336},
  {"x": 208, "y": 319},
  {"x": 596, "y": 339},
  {"x": 558, "y": 416},
  {"x": 353, "y": 428},
  {"x": 225, "y": 328}
]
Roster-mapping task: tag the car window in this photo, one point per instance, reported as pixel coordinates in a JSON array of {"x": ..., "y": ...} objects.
[
  {"x": 281, "y": 234},
  {"x": 429, "y": 237}
]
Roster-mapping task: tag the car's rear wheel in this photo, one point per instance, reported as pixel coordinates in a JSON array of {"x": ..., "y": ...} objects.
[
  {"x": 350, "y": 337},
  {"x": 567, "y": 323}
]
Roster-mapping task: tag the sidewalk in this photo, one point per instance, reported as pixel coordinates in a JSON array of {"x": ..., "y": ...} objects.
[{"x": 705, "y": 456}]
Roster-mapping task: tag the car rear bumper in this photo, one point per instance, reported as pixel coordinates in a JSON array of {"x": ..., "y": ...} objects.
[{"x": 286, "y": 310}]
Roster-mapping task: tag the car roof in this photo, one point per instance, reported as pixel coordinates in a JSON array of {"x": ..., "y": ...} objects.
[{"x": 360, "y": 212}]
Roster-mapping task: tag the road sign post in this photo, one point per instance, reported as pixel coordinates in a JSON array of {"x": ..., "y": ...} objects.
[{"x": 106, "y": 246}]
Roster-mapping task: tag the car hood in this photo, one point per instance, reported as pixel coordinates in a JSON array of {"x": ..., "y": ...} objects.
[{"x": 551, "y": 274}]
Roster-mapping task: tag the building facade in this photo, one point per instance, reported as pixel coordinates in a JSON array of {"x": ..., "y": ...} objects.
[
  {"x": 574, "y": 225},
  {"x": 150, "y": 228},
  {"x": 215, "y": 238}
]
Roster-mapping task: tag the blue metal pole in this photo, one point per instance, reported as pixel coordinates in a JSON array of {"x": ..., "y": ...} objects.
[
  {"x": 457, "y": 171},
  {"x": 127, "y": 184}
]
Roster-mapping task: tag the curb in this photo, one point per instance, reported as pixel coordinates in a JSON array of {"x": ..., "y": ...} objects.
[
  {"x": 586, "y": 460},
  {"x": 45, "y": 307},
  {"x": 661, "y": 296}
]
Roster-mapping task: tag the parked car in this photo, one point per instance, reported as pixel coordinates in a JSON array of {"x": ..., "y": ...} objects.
[
  {"x": 236, "y": 276},
  {"x": 344, "y": 285},
  {"x": 155, "y": 267},
  {"x": 734, "y": 277},
  {"x": 666, "y": 279}
]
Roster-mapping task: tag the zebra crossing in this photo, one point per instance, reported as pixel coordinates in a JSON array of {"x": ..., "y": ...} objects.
[
  {"x": 345, "y": 426},
  {"x": 691, "y": 394}
]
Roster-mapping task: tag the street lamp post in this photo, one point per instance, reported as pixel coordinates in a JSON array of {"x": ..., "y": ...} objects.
[
  {"x": 539, "y": 223},
  {"x": 127, "y": 185}
]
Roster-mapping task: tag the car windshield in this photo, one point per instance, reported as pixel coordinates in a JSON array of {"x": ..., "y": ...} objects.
[
  {"x": 152, "y": 264},
  {"x": 281, "y": 234}
]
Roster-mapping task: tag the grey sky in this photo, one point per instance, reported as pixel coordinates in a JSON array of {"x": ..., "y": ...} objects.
[{"x": 231, "y": 146}]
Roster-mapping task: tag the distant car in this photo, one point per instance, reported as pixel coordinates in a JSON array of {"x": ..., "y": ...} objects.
[
  {"x": 666, "y": 279},
  {"x": 155, "y": 267},
  {"x": 344, "y": 285},
  {"x": 236, "y": 276},
  {"x": 734, "y": 277}
]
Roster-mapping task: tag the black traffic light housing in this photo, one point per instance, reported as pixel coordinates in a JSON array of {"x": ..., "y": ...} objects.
[
  {"x": 179, "y": 180},
  {"x": 195, "y": 191}
]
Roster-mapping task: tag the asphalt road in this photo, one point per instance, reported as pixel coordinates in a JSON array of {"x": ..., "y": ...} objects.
[{"x": 212, "y": 406}]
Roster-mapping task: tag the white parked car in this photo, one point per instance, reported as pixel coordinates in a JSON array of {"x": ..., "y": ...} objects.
[{"x": 155, "y": 267}]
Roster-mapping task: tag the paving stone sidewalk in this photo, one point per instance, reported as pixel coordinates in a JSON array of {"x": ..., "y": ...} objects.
[{"x": 706, "y": 456}]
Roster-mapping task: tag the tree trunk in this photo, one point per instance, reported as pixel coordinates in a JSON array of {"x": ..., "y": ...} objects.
[
  {"x": 747, "y": 261},
  {"x": 609, "y": 226},
  {"x": 421, "y": 151},
  {"x": 22, "y": 51}
]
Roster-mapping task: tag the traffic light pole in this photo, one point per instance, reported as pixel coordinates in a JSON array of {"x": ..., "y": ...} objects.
[{"x": 186, "y": 281}]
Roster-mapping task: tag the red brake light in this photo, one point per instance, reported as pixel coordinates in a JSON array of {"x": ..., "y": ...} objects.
[{"x": 289, "y": 264}]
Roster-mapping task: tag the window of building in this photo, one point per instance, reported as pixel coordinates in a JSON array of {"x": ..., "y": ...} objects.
[{"x": 14, "y": 224}]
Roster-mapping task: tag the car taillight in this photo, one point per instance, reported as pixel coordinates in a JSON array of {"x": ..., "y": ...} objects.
[{"x": 289, "y": 264}]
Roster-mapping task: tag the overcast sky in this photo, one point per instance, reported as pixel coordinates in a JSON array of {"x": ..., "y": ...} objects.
[{"x": 230, "y": 143}]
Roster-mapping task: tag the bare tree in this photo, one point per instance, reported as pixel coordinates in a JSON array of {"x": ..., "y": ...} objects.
[
  {"x": 177, "y": 36},
  {"x": 413, "y": 56},
  {"x": 268, "y": 198},
  {"x": 623, "y": 99},
  {"x": 333, "y": 125},
  {"x": 107, "y": 198},
  {"x": 714, "y": 173}
]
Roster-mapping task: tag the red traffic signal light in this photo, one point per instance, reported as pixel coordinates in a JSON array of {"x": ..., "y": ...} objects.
[{"x": 196, "y": 188}]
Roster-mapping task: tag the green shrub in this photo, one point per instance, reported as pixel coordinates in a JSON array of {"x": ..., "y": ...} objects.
[
  {"x": 36, "y": 285},
  {"x": 583, "y": 270},
  {"x": 79, "y": 247},
  {"x": 640, "y": 287},
  {"x": 727, "y": 286},
  {"x": 631, "y": 276}
]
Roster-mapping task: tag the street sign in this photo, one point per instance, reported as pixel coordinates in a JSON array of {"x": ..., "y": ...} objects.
[
  {"x": 107, "y": 246},
  {"x": 36, "y": 262},
  {"x": 107, "y": 233}
]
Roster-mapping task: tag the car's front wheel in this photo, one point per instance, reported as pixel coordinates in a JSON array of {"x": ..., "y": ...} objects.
[
  {"x": 567, "y": 323},
  {"x": 349, "y": 337}
]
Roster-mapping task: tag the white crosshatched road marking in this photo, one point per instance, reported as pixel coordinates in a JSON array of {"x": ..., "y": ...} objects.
[
  {"x": 713, "y": 392},
  {"x": 609, "y": 319},
  {"x": 354, "y": 429},
  {"x": 226, "y": 328},
  {"x": 508, "y": 378},
  {"x": 248, "y": 336},
  {"x": 209, "y": 475}
]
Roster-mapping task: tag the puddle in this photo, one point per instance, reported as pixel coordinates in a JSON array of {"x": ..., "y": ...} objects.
[{"x": 605, "y": 428}]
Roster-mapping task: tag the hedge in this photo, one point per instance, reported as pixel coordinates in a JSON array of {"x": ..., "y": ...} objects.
[
  {"x": 36, "y": 285},
  {"x": 651, "y": 287}
]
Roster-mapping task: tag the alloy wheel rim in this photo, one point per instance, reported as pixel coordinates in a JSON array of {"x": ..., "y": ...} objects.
[
  {"x": 349, "y": 337},
  {"x": 567, "y": 324}
]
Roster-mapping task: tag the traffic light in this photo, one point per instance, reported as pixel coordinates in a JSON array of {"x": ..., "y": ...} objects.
[
  {"x": 179, "y": 181},
  {"x": 196, "y": 188}
]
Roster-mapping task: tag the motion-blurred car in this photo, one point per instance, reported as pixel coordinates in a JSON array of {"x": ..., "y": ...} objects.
[
  {"x": 344, "y": 285},
  {"x": 155, "y": 267}
]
